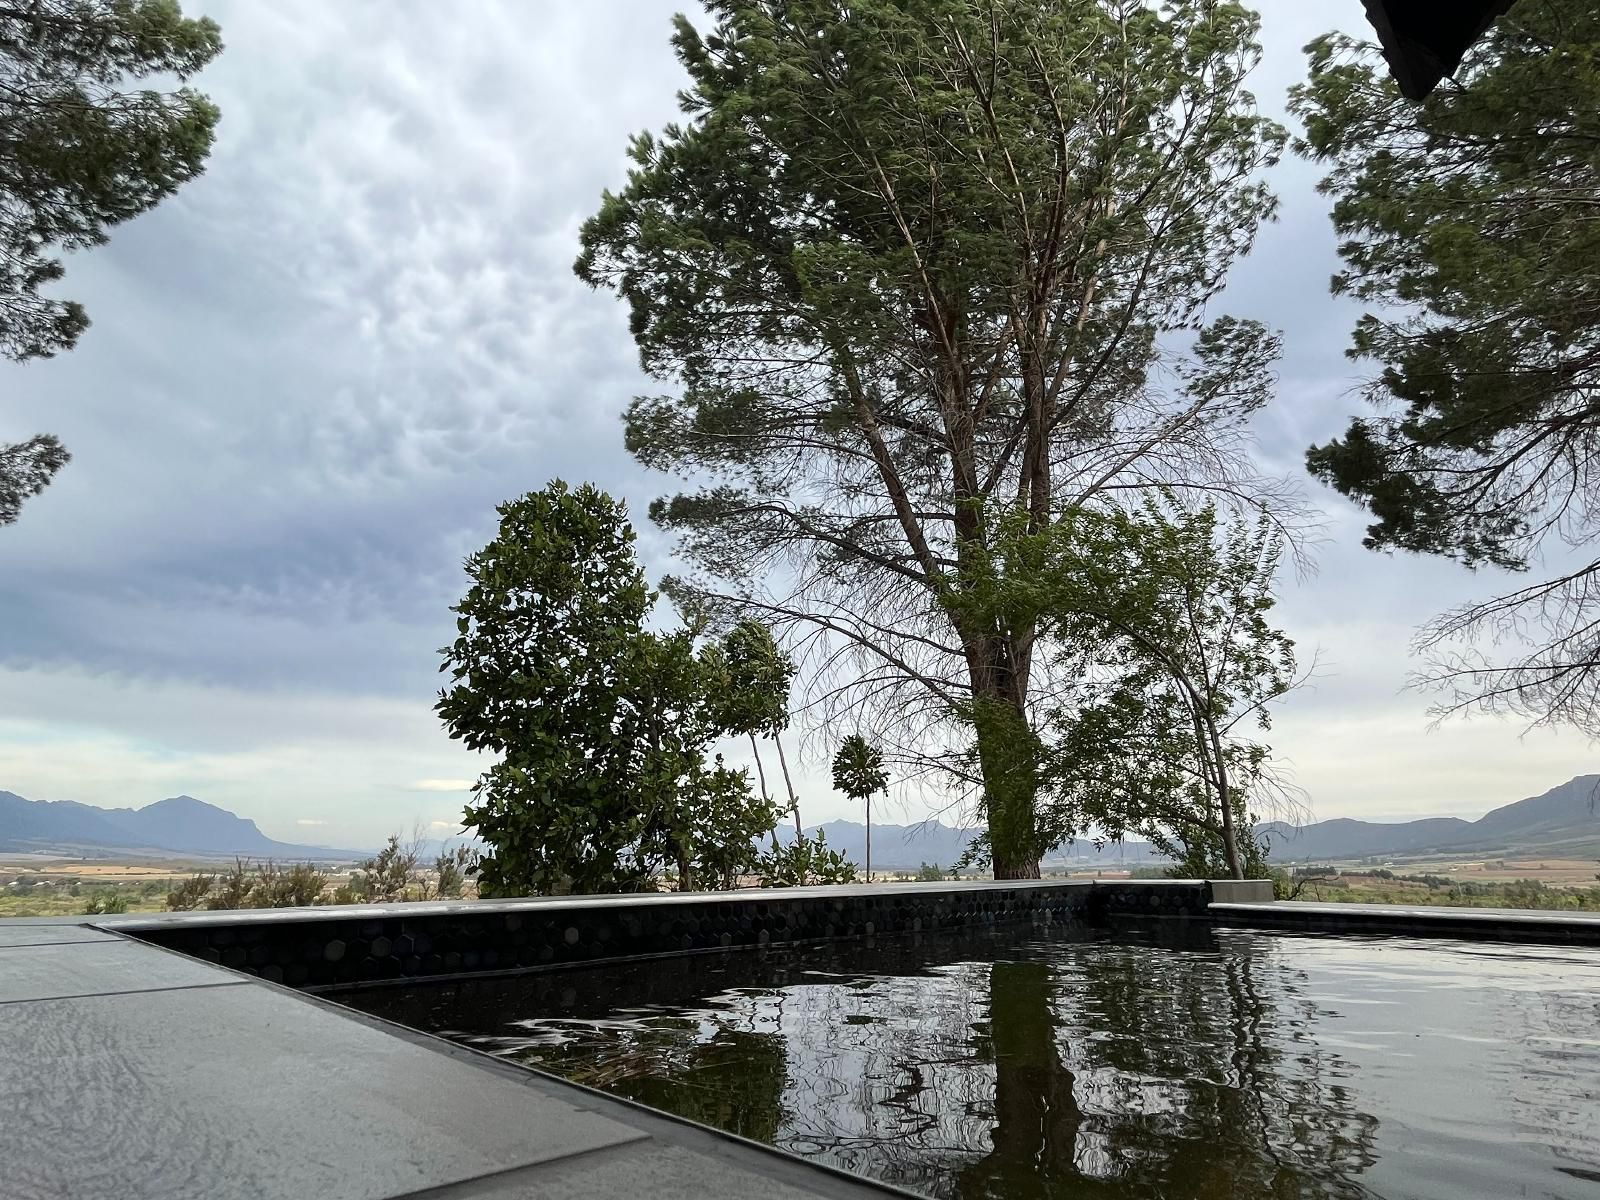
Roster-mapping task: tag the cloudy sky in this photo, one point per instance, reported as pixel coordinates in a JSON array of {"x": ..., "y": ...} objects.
[{"x": 313, "y": 374}]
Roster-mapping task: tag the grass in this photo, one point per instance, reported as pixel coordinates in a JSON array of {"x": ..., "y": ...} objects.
[
  {"x": 1392, "y": 888},
  {"x": 59, "y": 902}
]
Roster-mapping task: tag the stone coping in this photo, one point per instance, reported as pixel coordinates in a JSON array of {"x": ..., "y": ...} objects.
[
  {"x": 1484, "y": 924},
  {"x": 137, "y": 923},
  {"x": 334, "y": 947}
]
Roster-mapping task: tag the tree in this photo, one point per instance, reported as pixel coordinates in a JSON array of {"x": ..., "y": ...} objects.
[
  {"x": 911, "y": 261},
  {"x": 450, "y": 871},
  {"x": 1158, "y": 621},
  {"x": 1468, "y": 223},
  {"x": 600, "y": 725},
  {"x": 80, "y": 153},
  {"x": 25, "y": 469},
  {"x": 858, "y": 773},
  {"x": 716, "y": 827},
  {"x": 387, "y": 876},
  {"x": 756, "y": 699}
]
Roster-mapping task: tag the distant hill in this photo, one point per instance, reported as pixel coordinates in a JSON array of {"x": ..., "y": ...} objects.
[
  {"x": 909, "y": 846},
  {"x": 906, "y": 846},
  {"x": 1561, "y": 823},
  {"x": 179, "y": 825}
]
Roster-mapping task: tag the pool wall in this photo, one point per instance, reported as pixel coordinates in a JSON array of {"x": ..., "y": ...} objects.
[{"x": 324, "y": 948}]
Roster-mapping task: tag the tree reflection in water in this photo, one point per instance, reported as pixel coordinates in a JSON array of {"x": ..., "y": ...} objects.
[{"x": 1154, "y": 1063}]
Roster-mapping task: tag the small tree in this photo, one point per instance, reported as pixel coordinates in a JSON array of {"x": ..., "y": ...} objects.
[
  {"x": 232, "y": 888},
  {"x": 601, "y": 724},
  {"x": 451, "y": 869},
  {"x": 386, "y": 877},
  {"x": 298, "y": 885},
  {"x": 858, "y": 773},
  {"x": 1163, "y": 654},
  {"x": 105, "y": 901},
  {"x": 191, "y": 893},
  {"x": 718, "y": 824},
  {"x": 757, "y": 697}
]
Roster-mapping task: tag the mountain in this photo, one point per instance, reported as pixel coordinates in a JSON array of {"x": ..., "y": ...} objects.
[
  {"x": 1563, "y": 822},
  {"x": 892, "y": 845},
  {"x": 909, "y": 846},
  {"x": 179, "y": 825}
]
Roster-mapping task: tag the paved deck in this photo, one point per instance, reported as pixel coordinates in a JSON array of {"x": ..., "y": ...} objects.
[
  {"x": 135, "y": 1072},
  {"x": 1480, "y": 924}
]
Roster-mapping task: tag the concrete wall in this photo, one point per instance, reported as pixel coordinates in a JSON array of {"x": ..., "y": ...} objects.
[{"x": 320, "y": 948}]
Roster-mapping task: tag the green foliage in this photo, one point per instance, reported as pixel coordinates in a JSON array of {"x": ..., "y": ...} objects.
[
  {"x": 1163, "y": 654},
  {"x": 930, "y": 873},
  {"x": 1468, "y": 223},
  {"x": 25, "y": 469},
  {"x": 805, "y": 861},
  {"x": 233, "y": 887},
  {"x": 450, "y": 871},
  {"x": 191, "y": 893},
  {"x": 105, "y": 902},
  {"x": 247, "y": 884},
  {"x": 298, "y": 885},
  {"x": 601, "y": 725},
  {"x": 858, "y": 768},
  {"x": 906, "y": 259},
  {"x": 754, "y": 698},
  {"x": 385, "y": 877}
]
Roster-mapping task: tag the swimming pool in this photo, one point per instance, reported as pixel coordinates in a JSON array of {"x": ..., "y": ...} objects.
[{"x": 1162, "y": 1059}]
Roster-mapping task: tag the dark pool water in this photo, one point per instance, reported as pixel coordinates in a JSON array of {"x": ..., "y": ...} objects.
[{"x": 1152, "y": 1063}]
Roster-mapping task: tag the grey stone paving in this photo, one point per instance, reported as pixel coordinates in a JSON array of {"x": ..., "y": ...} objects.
[
  {"x": 132, "y": 1072},
  {"x": 88, "y": 968},
  {"x": 45, "y": 935}
]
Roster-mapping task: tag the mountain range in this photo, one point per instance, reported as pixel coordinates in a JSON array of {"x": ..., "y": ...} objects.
[
  {"x": 178, "y": 825},
  {"x": 1561, "y": 823}
]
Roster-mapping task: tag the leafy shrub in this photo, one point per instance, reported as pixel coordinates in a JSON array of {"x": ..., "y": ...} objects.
[
  {"x": 191, "y": 894},
  {"x": 802, "y": 862}
]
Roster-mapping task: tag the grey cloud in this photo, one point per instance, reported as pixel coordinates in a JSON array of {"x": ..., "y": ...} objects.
[{"x": 315, "y": 371}]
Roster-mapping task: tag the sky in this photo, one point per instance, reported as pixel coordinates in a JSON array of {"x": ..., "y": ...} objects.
[{"x": 314, "y": 372}]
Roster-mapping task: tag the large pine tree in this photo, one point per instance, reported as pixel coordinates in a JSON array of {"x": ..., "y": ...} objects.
[{"x": 908, "y": 264}]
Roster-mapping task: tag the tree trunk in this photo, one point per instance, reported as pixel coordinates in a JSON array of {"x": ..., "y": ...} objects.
[
  {"x": 761, "y": 775},
  {"x": 1007, "y": 762},
  {"x": 794, "y": 800},
  {"x": 869, "y": 838},
  {"x": 1230, "y": 839},
  {"x": 685, "y": 872}
]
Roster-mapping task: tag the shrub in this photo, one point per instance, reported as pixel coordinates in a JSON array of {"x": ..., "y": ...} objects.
[{"x": 803, "y": 861}]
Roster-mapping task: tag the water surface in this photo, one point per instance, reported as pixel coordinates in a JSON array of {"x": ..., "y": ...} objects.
[{"x": 1164, "y": 1062}]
